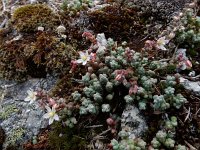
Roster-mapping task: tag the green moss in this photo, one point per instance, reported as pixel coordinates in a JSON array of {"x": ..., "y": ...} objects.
[
  {"x": 169, "y": 69},
  {"x": 27, "y": 18},
  {"x": 192, "y": 52},
  {"x": 66, "y": 138},
  {"x": 42, "y": 52}
]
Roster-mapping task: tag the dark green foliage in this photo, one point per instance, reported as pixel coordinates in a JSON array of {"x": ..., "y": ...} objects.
[
  {"x": 169, "y": 69},
  {"x": 67, "y": 139}
]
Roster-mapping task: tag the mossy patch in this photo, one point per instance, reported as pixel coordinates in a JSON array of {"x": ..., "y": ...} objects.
[
  {"x": 42, "y": 52},
  {"x": 67, "y": 139},
  {"x": 119, "y": 23},
  {"x": 27, "y": 18}
]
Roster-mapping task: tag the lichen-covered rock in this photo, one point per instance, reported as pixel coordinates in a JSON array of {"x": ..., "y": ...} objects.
[
  {"x": 133, "y": 122},
  {"x": 20, "y": 119}
]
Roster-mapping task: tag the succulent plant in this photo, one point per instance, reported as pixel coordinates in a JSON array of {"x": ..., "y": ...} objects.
[
  {"x": 179, "y": 100},
  {"x": 74, "y": 6},
  {"x": 105, "y": 108},
  {"x": 160, "y": 102},
  {"x": 171, "y": 124},
  {"x": 71, "y": 122},
  {"x": 128, "y": 144},
  {"x": 181, "y": 147},
  {"x": 129, "y": 99},
  {"x": 76, "y": 96}
]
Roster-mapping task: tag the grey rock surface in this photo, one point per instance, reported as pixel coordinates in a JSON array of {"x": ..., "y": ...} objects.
[
  {"x": 193, "y": 86},
  {"x": 133, "y": 122},
  {"x": 19, "y": 119}
]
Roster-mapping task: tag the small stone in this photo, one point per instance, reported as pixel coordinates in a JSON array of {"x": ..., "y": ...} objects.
[
  {"x": 193, "y": 86},
  {"x": 40, "y": 28},
  {"x": 133, "y": 122}
]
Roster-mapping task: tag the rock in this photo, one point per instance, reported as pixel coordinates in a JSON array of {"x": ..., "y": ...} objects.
[
  {"x": 19, "y": 119},
  {"x": 133, "y": 122},
  {"x": 191, "y": 85}
]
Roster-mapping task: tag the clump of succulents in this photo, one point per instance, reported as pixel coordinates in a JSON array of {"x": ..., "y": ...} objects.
[
  {"x": 181, "y": 147},
  {"x": 188, "y": 34},
  {"x": 183, "y": 31},
  {"x": 128, "y": 144},
  {"x": 165, "y": 136},
  {"x": 70, "y": 122},
  {"x": 163, "y": 102},
  {"x": 112, "y": 66},
  {"x": 76, "y": 5}
]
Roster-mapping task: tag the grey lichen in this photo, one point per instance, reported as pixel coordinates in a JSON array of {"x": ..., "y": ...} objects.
[{"x": 15, "y": 135}]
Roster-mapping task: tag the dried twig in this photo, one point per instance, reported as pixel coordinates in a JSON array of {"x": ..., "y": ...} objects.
[
  {"x": 181, "y": 121},
  {"x": 4, "y": 5},
  {"x": 100, "y": 135},
  {"x": 3, "y": 23},
  {"x": 197, "y": 112},
  {"x": 190, "y": 146},
  {"x": 145, "y": 37},
  {"x": 188, "y": 114},
  {"x": 174, "y": 54},
  {"x": 192, "y": 78},
  {"x": 104, "y": 132},
  {"x": 94, "y": 126},
  {"x": 164, "y": 60},
  {"x": 194, "y": 97},
  {"x": 157, "y": 89}
]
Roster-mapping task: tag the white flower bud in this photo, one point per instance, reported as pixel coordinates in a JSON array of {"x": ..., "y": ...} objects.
[
  {"x": 171, "y": 35},
  {"x": 61, "y": 29},
  {"x": 181, "y": 14}
]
